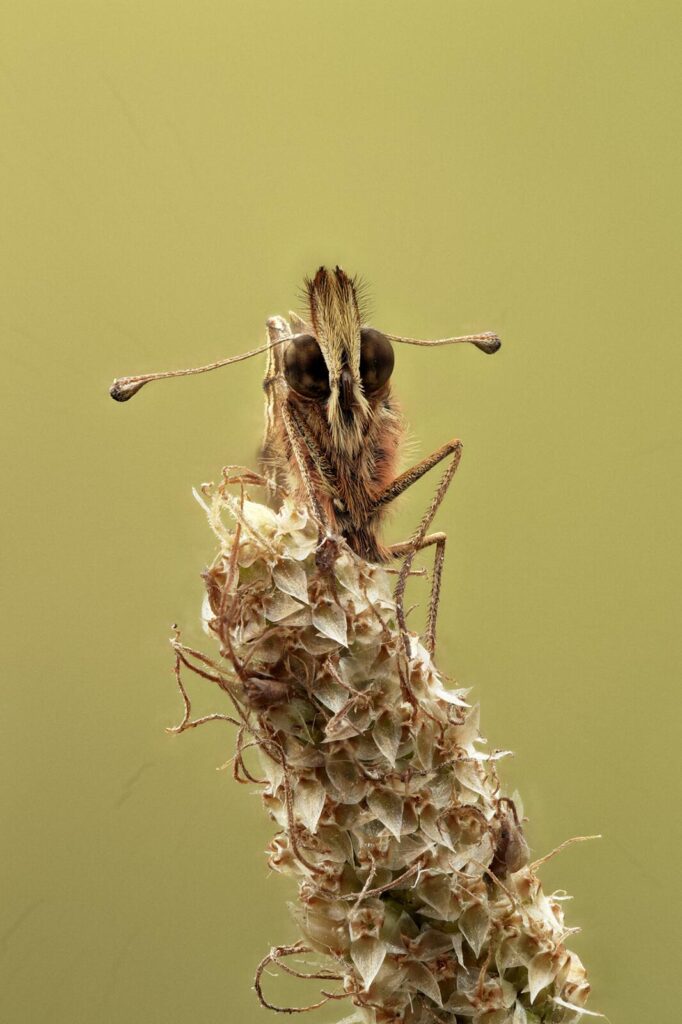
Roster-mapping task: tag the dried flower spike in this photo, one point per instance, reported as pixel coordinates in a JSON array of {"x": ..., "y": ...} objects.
[{"x": 415, "y": 892}]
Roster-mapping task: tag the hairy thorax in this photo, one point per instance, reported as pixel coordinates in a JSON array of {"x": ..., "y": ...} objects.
[{"x": 349, "y": 477}]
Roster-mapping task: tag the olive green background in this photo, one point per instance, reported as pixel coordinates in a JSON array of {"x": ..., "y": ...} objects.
[{"x": 169, "y": 173}]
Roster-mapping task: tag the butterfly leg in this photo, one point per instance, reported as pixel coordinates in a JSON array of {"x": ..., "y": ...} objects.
[
  {"x": 399, "y": 551},
  {"x": 271, "y": 455},
  {"x": 416, "y": 541},
  {"x": 298, "y": 447},
  {"x": 416, "y": 472}
]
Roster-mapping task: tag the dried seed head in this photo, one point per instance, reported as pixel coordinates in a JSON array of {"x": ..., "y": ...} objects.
[{"x": 413, "y": 870}]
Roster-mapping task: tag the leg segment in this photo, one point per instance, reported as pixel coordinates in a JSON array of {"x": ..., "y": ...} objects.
[
  {"x": 399, "y": 550},
  {"x": 417, "y": 539},
  {"x": 297, "y": 442},
  {"x": 414, "y": 473}
]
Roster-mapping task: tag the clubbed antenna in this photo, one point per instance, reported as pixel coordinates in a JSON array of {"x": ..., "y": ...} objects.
[
  {"x": 124, "y": 388},
  {"x": 487, "y": 342}
]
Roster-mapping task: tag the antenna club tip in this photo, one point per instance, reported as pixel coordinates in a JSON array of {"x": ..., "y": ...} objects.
[
  {"x": 123, "y": 389},
  {"x": 489, "y": 343}
]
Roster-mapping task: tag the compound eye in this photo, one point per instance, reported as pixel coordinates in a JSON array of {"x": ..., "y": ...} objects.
[
  {"x": 376, "y": 359},
  {"x": 305, "y": 369}
]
